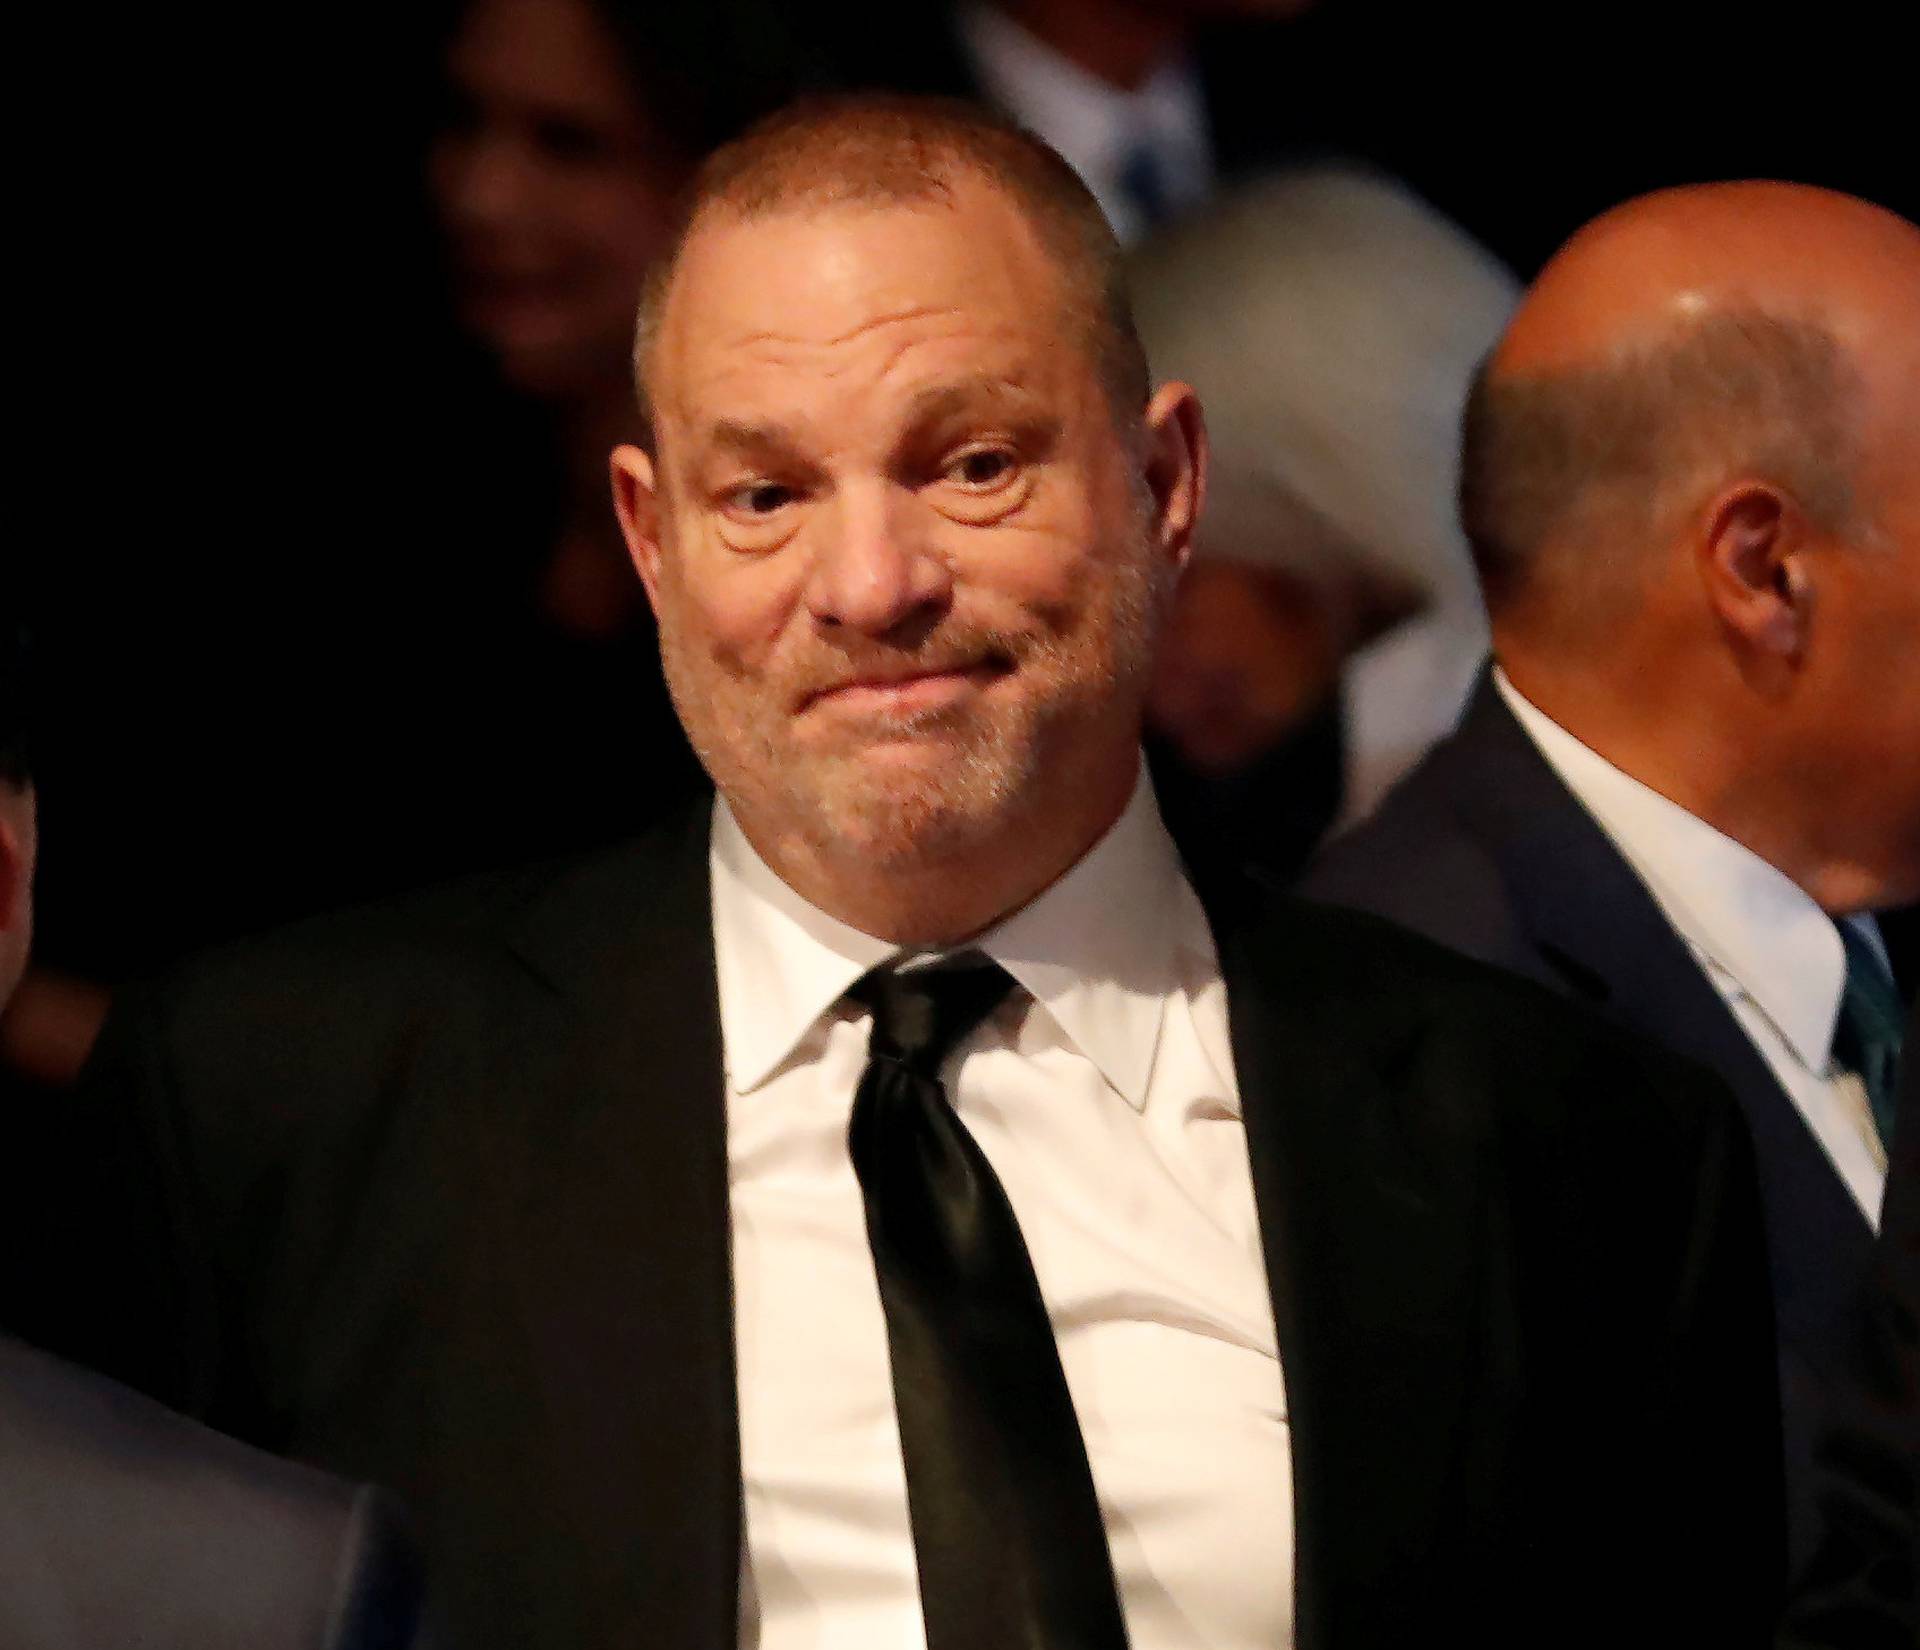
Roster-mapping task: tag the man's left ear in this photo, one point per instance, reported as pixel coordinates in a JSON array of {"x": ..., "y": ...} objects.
[
  {"x": 1756, "y": 559},
  {"x": 636, "y": 502},
  {"x": 1176, "y": 468}
]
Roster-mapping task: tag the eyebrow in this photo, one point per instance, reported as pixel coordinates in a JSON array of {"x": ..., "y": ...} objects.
[
  {"x": 966, "y": 395},
  {"x": 773, "y": 439},
  {"x": 751, "y": 440}
]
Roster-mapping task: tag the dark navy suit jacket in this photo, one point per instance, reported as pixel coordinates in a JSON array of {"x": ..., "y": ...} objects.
[
  {"x": 123, "y": 1524},
  {"x": 1857, "y": 1592},
  {"x": 1485, "y": 849}
]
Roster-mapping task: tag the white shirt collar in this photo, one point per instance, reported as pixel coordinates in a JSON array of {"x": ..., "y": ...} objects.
[
  {"x": 1100, "y": 950},
  {"x": 1095, "y": 125},
  {"x": 1742, "y": 913}
]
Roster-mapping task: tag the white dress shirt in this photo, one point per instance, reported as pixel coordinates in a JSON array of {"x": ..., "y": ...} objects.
[
  {"x": 1103, "y": 1094},
  {"x": 1094, "y": 125},
  {"x": 1768, "y": 948}
]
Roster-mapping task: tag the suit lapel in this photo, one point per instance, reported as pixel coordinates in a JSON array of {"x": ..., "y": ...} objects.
[
  {"x": 1597, "y": 929},
  {"x": 621, "y": 1243},
  {"x": 1372, "y": 1264}
]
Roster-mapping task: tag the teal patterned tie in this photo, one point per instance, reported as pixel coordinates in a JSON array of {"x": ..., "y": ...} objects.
[{"x": 1867, "y": 1039}]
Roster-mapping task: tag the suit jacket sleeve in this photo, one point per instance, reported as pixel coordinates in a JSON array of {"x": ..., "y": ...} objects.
[
  {"x": 123, "y": 1523},
  {"x": 104, "y": 1259}
]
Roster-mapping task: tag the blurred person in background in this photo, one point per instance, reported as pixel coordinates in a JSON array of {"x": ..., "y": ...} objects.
[
  {"x": 566, "y": 132},
  {"x": 17, "y": 814},
  {"x": 1330, "y": 627},
  {"x": 397, "y": 680},
  {"x": 1690, "y": 789},
  {"x": 122, "y": 1523},
  {"x": 1153, "y": 102}
]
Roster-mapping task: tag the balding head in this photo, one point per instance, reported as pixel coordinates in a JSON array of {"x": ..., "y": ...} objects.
[
  {"x": 1691, "y": 478},
  {"x": 1676, "y": 345},
  {"x": 880, "y": 150}
]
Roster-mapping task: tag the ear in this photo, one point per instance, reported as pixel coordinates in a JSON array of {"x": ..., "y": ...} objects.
[
  {"x": 1176, "y": 469},
  {"x": 636, "y": 501},
  {"x": 1755, "y": 560}
]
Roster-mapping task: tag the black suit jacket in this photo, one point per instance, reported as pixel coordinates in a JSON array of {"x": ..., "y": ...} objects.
[
  {"x": 439, "y": 1195},
  {"x": 124, "y": 1524},
  {"x": 1485, "y": 849}
]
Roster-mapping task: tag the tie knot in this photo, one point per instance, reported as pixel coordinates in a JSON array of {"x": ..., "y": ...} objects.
[{"x": 921, "y": 1015}]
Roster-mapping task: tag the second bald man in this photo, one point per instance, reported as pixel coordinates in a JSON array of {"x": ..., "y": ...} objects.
[{"x": 1692, "y": 483}]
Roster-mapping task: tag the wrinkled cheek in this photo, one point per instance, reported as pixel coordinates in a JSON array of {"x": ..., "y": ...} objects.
[{"x": 740, "y": 641}]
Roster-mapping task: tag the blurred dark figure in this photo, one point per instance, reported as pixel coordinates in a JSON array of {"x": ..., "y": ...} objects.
[
  {"x": 17, "y": 812},
  {"x": 124, "y": 1524},
  {"x": 1329, "y": 628},
  {"x": 1693, "y": 779},
  {"x": 1858, "y": 1590},
  {"x": 568, "y": 129},
  {"x": 1153, "y": 102}
]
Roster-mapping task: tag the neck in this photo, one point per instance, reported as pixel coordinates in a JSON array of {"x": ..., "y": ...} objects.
[
  {"x": 943, "y": 897},
  {"x": 1119, "y": 41},
  {"x": 1673, "y": 742}
]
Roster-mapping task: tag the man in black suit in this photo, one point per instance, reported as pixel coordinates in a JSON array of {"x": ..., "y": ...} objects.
[
  {"x": 1694, "y": 775},
  {"x": 122, "y": 1524},
  {"x": 881, "y": 1208}
]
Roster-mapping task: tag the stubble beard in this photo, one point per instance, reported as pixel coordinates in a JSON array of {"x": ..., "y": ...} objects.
[{"x": 987, "y": 768}]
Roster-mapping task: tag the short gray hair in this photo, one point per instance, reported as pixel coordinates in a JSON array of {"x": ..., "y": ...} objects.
[{"x": 1564, "y": 475}]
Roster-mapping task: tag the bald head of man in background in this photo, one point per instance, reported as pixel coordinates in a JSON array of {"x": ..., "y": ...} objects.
[
  {"x": 1692, "y": 485},
  {"x": 1690, "y": 792}
]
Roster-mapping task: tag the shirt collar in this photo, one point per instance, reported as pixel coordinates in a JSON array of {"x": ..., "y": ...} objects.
[
  {"x": 1745, "y": 915},
  {"x": 781, "y": 961},
  {"x": 1099, "y": 951}
]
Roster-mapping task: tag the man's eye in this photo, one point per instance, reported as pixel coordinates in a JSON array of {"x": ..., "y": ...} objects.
[
  {"x": 982, "y": 468},
  {"x": 759, "y": 498}
]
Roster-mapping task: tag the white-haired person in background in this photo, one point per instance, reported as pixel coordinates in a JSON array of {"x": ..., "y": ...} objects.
[{"x": 1330, "y": 626}]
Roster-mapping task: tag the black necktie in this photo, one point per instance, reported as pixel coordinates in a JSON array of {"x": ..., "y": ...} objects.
[
  {"x": 1006, "y": 1529},
  {"x": 1867, "y": 1038}
]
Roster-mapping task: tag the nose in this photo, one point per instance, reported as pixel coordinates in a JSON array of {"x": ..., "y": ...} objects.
[
  {"x": 875, "y": 572},
  {"x": 481, "y": 178}
]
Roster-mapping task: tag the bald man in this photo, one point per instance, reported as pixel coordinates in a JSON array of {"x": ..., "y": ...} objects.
[{"x": 1692, "y": 485}]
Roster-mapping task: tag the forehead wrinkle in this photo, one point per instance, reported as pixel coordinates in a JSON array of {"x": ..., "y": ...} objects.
[{"x": 768, "y": 338}]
